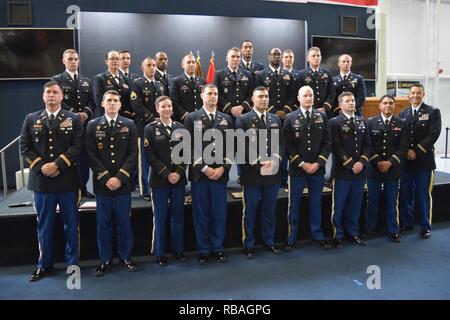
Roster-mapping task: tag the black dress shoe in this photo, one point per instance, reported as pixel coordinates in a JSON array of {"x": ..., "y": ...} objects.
[
  {"x": 129, "y": 265},
  {"x": 274, "y": 250},
  {"x": 395, "y": 237},
  {"x": 146, "y": 196},
  {"x": 338, "y": 244},
  {"x": 249, "y": 253},
  {"x": 221, "y": 257},
  {"x": 425, "y": 234},
  {"x": 323, "y": 244},
  {"x": 288, "y": 247},
  {"x": 38, "y": 274},
  {"x": 359, "y": 241},
  {"x": 202, "y": 259},
  {"x": 87, "y": 194},
  {"x": 161, "y": 261},
  {"x": 180, "y": 256},
  {"x": 102, "y": 268}
]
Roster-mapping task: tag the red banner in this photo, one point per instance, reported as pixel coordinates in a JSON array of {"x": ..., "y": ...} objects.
[{"x": 211, "y": 71}]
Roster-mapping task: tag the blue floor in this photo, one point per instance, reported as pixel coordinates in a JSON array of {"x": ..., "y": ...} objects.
[{"x": 413, "y": 269}]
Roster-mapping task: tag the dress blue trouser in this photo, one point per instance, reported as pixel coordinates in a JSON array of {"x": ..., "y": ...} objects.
[
  {"x": 142, "y": 168},
  {"x": 120, "y": 206},
  {"x": 251, "y": 198},
  {"x": 45, "y": 204},
  {"x": 209, "y": 210},
  {"x": 167, "y": 202},
  {"x": 416, "y": 186},
  {"x": 346, "y": 207},
  {"x": 84, "y": 168},
  {"x": 391, "y": 192},
  {"x": 315, "y": 188}
]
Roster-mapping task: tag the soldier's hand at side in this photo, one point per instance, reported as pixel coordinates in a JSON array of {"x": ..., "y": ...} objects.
[
  {"x": 174, "y": 177},
  {"x": 83, "y": 117},
  {"x": 357, "y": 167},
  {"x": 209, "y": 172},
  {"x": 313, "y": 167},
  {"x": 218, "y": 172},
  {"x": 411, "y": 155},
  {"x": 281, "y": 114},
  {"x": 237, "y": 110},
  {"x": 113, "y": 184}
]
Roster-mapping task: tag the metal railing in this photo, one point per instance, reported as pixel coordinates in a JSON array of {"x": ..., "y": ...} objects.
[{"x": 3, "y": 157}]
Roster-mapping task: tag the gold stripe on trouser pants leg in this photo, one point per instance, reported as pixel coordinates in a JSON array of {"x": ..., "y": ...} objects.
[
  {"x": 332, "y": 209},
  {"x": 243, "y": 215},
  {"x": 152, "y": 248},
  {"x": 141, "y": 192},
  {"x": 430, "y": 190},
  {"x": 289, "y": 208}
]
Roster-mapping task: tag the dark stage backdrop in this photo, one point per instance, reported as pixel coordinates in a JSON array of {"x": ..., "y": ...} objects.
[{"x": 145, "y": 34}]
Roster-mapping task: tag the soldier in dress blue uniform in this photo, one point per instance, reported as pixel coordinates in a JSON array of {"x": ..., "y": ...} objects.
[
  {"x": 186, "y": 88},
  {"x": 260, "y": 174},
  {"x": 111, "y": 141},
  {"x": 161, "y": 74},
  {"x": 351, "y": 151},
  {"x": 247, "y": 62},
  {"x": 389, "y": 145},
  {"x": 349, "y": 81},
  {"x": 113, "y": 79},
  {"x": 124, "y": 65},
  {"x": 288, "y": 62},
  {"x": 144, "y": 92},
  {"x": 167, "y": 180},
  {"x": 235, "y": 86},
  {"x": 308, "y": 144},
  {"x": 78, "y": 98},
  {"x": 280, "y": 84},
  {"x": 208, "y": 174},
  {"x": 50, "y": 142},
  {"x": 320, "y": 80},
  {"x": 424, "y": 127}
]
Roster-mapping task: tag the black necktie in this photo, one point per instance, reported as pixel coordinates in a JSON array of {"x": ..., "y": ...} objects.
[
  {"x": 192, "y": 80},
  {"x": 117, "y": 79},
  {"x": 126, "y": 74},
  {"x": 234, "y": 74},
  {"x": 248, "y": 66},
  {"x": 263, "y": 120},
  {"x": 414, "y": 113},
  {"x": 111, "y": 123},
  {"x": 276, "y": 73},
  {"x": 308, "y": 118},
  {"x": 52, "y": 119},
  {"x": 315, "y": 73},
  {"x": 75, "y": 77},
  {"x": 211, "y": 117},
  {"x": 352, "y": 124},
  {"x": 345, "y": 78},
  {"x": 386, "y": 123},
  {"x": 169, "y": 130},
  {"x": 152, "y": 85}
]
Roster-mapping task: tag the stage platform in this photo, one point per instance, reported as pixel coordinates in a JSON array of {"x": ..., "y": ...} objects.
[{"x": 18, "y": 238}]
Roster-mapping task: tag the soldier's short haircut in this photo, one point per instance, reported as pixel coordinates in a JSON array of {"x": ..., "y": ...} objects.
[
  {"x": 148, "y": 58},
  {"x": 288, "y": 51},
  {"x": 242, "y": 43},
  {"x": 345, "y": 54},
  {"x": 106, "y": 55},
  {"x": 160, "y": 52},
  {"x": 111, "y": 92},
  {"x": 417, "y": 85},
  {"x": 259, "y": 88},
  {"x": 51, "y": 84},
  {"x": 343, "y": 95},
  {"x": 313, "y": 49},
  {"x": 387, "y": 96},
  {"x": 67, "y": 51},
  {"x": 188, "y": 55},
  {"x": 161, "y": 99},
  {"x": 124, "y": 51},
  {"x": 207, "y": 86},
  {"x": 233, "y": 49}
]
